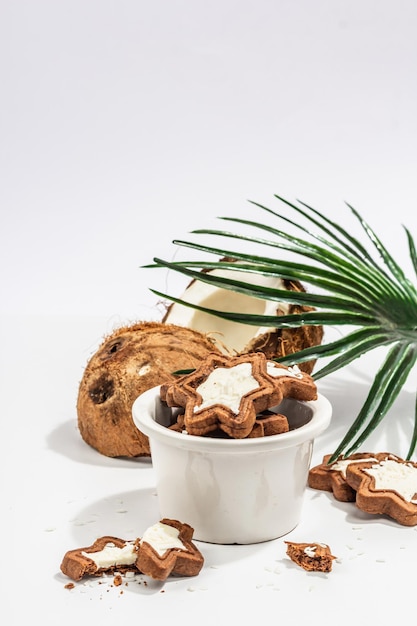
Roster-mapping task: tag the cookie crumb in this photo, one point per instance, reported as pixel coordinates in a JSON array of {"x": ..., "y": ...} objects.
[{"x": 313, "y": 557}]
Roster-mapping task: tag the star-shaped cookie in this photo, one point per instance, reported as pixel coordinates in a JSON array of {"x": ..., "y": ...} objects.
[
  {"x": 229, "y": 392},
  {"x": 332, "y": 476},
  {"x": 387, "y": 486},
  {"x": 167, "y": 548}
]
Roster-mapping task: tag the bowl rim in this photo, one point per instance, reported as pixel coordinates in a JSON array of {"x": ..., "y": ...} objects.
[{"x": 142, "y": 410}]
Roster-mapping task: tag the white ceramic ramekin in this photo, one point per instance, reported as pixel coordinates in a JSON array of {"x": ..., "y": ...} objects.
[{"x": 229, "y": 490}]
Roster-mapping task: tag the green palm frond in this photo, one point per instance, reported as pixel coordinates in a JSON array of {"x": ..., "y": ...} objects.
[{"x": 350, "y": 284}]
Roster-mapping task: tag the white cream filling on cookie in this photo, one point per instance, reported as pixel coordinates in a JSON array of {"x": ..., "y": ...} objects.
[
  {"x": 227, "y": 386},
  {"x": 111, "y": 555},
  {"x": 274, "y": 370},
  {"x": 340, "y": 466},
  {"x": 162, "y": 537},
  {"x": 311, "y": 550},
  {"x": 393, "y": 476}
]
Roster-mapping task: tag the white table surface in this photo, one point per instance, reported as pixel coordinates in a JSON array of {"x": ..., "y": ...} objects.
[
  {"x": 59, "y": 494},
  {"x": 125, "y": 125}
]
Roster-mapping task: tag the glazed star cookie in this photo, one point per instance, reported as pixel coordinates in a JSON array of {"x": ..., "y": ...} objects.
[
  {"x": 228, "y": 393},
  {"x": 104, "y": 556},
  {"x": 313, "y": 557},
  {"x": 167, "y": 548},
  {"x": 332, "y": 476},
  {"x": 386, "y": 486}
]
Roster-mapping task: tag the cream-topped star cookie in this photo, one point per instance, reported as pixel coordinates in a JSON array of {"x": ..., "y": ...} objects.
[
  {"x": 388, "y": 486},
  {"x": 227, "y": 393}
]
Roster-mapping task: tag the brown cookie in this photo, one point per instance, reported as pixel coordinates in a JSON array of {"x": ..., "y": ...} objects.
[
  {"x": 229, "y": 392},
  {"x": 271, "y": 423},
  {"x": 166, "y": 548},
  {"x": 387, "y": 486},
  {"x": 104, "y": 556},
  {"x": 313, "y": 557},
  {"x": 266, "y": 424},
  {"x": 178, "y": 425},
  {"x": 332, "y": 477}
]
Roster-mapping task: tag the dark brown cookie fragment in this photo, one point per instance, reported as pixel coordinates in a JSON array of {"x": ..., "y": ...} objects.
[
  {"x": 104, "y": 556},
  {"x": 313, "y": 557},
  {"x": 271, "y": 424}
]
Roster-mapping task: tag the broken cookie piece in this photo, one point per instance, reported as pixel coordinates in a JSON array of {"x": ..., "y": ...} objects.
[
  {"x": 166, "y": 548},
  {"x": 104, "y": 556},
  {"x": 313, "y": 557},
  {"x": 268, "y": 423}
]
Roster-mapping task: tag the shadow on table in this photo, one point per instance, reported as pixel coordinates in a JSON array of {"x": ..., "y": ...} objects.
[
  {"x": 66, "y": 440},
  {"x": 347, "y": 397},
  {"x": 128, "y": 514}
]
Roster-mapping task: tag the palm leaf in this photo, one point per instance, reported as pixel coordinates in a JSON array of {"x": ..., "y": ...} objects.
[
  {"x": 412, "y": 249},
  {"x": 397, "y": 272},
  {"x": 413, "y": 441},
  {"x": 350, "y": 267},
  {"x": 325, "y": 279},
  {"x": 350, "y": 283},
  {"x": 384, "y": 390},
  {"x": 278, "y": 295},
  {"x": 285, "y": 321},
  {"x": 337, "y": 234}
]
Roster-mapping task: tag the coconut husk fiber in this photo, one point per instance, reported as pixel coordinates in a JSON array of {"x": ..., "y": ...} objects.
[{"x": 130, "y": 361}]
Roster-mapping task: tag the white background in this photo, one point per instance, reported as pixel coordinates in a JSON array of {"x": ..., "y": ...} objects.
[{"x": 124, "y": 125}]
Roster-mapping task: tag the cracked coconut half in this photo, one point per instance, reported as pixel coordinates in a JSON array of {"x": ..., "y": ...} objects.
[
  {"x": 236, "y": 338},
  {"x": 138, "y": 357}
]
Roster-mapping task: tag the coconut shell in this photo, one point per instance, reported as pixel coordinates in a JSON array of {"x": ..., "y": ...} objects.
[
  {"x": 130, "y": 361},
  {"x": 278, "y": 342},
  {"x": 283, "y": 341}
]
